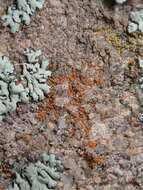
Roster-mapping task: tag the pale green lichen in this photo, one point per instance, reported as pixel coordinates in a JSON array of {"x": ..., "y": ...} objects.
[
  {"x": 41, "y": 175},
  {"x": 14, "y": 18},
  {"x": 36, "y": 75},
  {"x": 12, "y": 91},
  {"x": 136, "y": 21},
  {"x": 6, "y": 68},
  {"x": 140, "y": 61},
  {"x": 21, "y": 12},
  {"x": 32, "y": 56},
  {"x": 30, "y": 5},
  {"x": 120, "y": 1}
]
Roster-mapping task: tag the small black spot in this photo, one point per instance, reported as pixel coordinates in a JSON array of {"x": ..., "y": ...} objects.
[{"x": 109, "y": 3}]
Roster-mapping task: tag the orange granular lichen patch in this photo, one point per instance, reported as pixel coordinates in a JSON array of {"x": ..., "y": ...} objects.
[
  {"x": 42, "y": 115},
  {"x": 57, "y": 113},
  {"x": 92, "y": 159},
  {"x": 77, "y": 85},
  {"x": 99, "y": 82},
  {"x": 73, "y": 132},
  {"x": 93, "y": 144},
  {"x": 5, "y": 168},
  {"x": 42, "y": 112},
  {"x": 97, "y": 161}
]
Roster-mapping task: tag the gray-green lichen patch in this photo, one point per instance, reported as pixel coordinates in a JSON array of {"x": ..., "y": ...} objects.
[
  {"x": 36, "y": 75},
  {"x": 120, "y": 1},
  {"x": 13, "y": 91},
  {"x": 140, "y": 60},
  {"x": 6, "y": 68},
  {"x": 21, "y": 12},
  {"x": 10, "y": 92},
  {"x": 136, "y": 21},
  {"x": 32, "y": 56},
  {"x": 42, "y": 175}
]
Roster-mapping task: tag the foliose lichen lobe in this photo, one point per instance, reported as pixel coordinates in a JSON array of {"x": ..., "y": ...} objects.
[
  {"x": 136, "y": 21},
  {"x": 21, "y": 12},
  {"x": 13, "y": 91},
  {"x": 41, "y": 175}
]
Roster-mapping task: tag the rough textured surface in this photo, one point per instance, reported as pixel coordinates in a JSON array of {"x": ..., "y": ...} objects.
[{"x": 93, "y": 116}]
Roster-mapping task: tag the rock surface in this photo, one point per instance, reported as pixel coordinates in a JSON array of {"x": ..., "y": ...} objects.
[{"x": 92, "y": 118}]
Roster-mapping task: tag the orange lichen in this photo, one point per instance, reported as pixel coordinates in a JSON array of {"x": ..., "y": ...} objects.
[
  {"x": 77, "y": 86},
  {"x": 73, "y": 132},
  {"x": 99, "y": 82},
  {"x": 91, "y": 159},
  {"x": 5, "y": 168},
  {"x": 42, "y": 115},
  {"x": 93, "y": 144}
]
